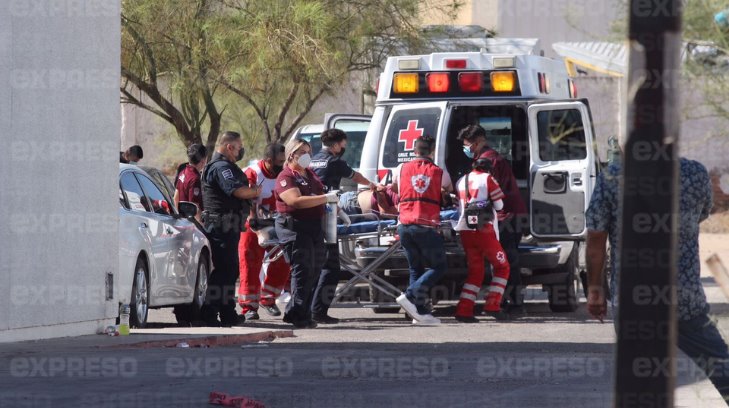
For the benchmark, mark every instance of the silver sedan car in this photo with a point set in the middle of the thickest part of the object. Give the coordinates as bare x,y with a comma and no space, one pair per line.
164,257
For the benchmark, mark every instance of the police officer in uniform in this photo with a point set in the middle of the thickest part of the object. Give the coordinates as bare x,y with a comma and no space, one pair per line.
331,168
226,197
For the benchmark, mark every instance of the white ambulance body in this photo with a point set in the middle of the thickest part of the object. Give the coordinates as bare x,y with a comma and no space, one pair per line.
528,107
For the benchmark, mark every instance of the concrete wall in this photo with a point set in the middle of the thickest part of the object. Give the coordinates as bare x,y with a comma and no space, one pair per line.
703,134
59,124
556,20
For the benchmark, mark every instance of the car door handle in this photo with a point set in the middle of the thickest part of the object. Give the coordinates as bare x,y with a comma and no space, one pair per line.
143,225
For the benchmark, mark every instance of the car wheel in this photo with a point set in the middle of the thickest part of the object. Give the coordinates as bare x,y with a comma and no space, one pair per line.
189,313
563,297
139,306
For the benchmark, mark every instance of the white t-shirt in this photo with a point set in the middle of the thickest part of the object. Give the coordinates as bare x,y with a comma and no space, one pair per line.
482,187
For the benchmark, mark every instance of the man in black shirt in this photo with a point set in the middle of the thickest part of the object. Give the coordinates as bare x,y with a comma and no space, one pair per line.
226,198
329,166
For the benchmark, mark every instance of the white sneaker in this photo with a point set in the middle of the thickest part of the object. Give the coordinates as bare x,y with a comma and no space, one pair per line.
408,306
426,320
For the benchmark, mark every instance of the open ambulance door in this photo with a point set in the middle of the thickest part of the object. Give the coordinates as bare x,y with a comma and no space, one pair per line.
355,126
562,169
405,124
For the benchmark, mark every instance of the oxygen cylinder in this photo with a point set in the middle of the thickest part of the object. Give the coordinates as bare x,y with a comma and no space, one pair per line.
329,222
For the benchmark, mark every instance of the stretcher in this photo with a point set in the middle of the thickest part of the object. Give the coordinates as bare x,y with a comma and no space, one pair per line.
363,227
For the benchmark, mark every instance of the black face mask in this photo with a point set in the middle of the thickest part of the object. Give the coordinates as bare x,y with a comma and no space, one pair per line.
341,152
241,152
277,169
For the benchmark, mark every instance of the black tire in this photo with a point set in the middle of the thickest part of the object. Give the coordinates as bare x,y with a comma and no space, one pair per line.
139,305
563,297
190,313
377,296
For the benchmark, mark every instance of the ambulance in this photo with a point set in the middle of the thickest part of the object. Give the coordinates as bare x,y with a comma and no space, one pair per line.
530,110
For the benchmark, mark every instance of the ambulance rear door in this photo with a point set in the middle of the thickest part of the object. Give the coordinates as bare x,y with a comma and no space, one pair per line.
355,126
405,124
562,169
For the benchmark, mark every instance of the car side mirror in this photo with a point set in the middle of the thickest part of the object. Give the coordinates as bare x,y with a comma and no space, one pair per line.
187,209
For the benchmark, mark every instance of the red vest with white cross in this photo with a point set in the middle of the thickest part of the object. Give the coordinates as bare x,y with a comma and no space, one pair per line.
420,185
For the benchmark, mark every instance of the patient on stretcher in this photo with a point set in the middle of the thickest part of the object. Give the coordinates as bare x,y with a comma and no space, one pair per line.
381,203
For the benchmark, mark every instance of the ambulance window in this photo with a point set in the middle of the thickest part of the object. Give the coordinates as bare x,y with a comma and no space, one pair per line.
561,135
405,127
498,134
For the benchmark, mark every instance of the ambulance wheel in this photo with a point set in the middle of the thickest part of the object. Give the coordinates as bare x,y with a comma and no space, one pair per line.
377,296
563,297
139,306
189,313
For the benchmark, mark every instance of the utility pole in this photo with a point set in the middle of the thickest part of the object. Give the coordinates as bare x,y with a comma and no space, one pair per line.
647,325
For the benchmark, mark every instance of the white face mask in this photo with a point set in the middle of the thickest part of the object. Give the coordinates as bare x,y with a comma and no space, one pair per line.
304,160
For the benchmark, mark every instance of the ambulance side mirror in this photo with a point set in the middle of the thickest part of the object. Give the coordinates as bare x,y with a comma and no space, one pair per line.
187,209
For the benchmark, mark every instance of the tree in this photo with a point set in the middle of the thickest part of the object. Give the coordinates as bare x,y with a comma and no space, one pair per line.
277,57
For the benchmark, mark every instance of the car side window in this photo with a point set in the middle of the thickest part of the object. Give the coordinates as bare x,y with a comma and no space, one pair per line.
134,193
160,205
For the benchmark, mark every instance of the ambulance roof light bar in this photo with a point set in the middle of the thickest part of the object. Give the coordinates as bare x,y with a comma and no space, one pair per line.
503,62
408,64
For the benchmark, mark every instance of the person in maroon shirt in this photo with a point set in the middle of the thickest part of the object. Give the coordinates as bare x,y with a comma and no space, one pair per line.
300,201
188,186
511,217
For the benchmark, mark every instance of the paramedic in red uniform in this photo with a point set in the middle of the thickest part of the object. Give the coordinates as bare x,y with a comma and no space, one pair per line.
480,244
420,184
511,217
250,253
188,186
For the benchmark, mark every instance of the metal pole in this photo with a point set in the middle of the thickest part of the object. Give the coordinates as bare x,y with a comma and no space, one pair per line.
647,325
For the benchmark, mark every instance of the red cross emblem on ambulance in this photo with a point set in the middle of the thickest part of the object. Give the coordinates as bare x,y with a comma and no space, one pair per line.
409,134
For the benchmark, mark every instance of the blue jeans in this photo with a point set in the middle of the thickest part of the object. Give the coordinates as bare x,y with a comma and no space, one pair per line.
423,248
700,340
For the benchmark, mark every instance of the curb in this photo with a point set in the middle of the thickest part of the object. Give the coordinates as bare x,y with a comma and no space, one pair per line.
210,341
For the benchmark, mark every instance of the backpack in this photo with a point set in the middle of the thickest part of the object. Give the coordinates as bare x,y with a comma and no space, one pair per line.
479,213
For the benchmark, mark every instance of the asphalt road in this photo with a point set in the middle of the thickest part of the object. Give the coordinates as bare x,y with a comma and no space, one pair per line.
368,360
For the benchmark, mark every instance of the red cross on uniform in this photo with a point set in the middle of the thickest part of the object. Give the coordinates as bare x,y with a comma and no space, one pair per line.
410,134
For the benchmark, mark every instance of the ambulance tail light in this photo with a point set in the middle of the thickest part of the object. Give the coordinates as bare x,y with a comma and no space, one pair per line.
543,82
470,81
405,83
438,82
455,64
573,88
503,81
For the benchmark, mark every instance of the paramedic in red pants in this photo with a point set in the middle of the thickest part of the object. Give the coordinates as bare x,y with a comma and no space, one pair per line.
250,253
511,218
420,183
481,244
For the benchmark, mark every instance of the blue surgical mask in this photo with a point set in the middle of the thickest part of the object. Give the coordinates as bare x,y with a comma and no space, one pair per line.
467,151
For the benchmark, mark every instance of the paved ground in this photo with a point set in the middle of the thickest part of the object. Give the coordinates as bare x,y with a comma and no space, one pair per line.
542,360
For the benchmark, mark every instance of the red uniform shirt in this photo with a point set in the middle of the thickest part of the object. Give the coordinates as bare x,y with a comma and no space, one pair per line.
501,170
189,187
308,186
